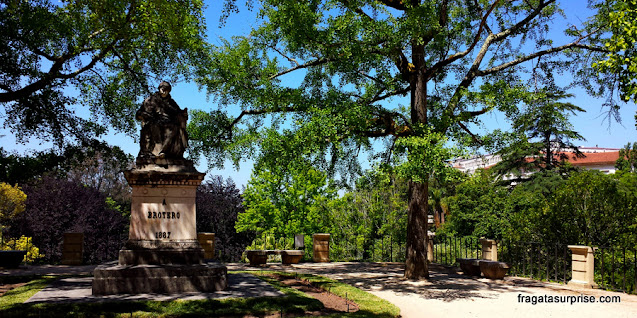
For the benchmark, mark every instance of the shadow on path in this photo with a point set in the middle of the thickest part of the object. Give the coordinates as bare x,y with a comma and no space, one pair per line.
78,289
443,284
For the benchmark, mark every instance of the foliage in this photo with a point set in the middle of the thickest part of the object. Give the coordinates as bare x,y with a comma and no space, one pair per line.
336,72
627,160
95,164
478,208
427,157
218,204
375,210
111,52
591,209
585,207
54,207
22,244
286,203
20,169
621,60
544,133
12,201
101,167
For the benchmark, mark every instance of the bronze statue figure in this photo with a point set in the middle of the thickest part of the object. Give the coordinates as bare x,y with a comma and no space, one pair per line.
163,132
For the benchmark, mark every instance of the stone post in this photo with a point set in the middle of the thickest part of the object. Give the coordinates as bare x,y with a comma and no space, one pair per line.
299,241
583,266
73,248
489,249
321,247
430,246
207,241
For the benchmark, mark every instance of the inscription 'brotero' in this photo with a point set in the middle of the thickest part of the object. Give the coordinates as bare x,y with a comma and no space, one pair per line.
164,215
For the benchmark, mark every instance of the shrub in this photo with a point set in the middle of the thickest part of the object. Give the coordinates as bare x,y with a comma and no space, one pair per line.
218,204
54,207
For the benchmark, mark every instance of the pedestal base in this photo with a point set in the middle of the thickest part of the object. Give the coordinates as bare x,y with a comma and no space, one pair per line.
139,252
110,279
581,284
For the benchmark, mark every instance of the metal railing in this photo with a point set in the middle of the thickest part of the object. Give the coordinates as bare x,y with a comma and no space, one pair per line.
383,249
616,268
446,249
548,262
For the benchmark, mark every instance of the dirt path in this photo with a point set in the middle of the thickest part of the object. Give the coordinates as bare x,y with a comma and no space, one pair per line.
448,294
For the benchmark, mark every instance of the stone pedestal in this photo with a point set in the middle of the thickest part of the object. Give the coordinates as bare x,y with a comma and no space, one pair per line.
207,241
162,254
160,279
489,249
583,267
73,249
321,247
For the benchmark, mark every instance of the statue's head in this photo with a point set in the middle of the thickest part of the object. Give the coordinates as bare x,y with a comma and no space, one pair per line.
164,88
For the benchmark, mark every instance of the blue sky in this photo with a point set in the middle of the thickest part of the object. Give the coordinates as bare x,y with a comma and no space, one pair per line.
590,124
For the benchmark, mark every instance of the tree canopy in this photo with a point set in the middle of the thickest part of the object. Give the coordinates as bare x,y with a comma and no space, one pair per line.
111,52
542,133
333,75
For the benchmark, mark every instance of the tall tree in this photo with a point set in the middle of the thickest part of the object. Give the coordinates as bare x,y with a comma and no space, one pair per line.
544,133
627,160
336,71
111,51
283,204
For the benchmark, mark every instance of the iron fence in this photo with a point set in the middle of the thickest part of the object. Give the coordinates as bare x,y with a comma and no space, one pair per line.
549,262
446,249
381,249
616,268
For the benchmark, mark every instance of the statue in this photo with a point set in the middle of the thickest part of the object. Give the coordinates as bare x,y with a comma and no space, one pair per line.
163,134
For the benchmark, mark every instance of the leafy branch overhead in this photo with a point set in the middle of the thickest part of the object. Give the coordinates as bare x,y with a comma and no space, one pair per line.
345,67
333,76
110,51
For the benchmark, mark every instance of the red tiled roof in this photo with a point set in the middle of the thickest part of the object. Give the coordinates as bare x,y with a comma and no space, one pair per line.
594,158
591,159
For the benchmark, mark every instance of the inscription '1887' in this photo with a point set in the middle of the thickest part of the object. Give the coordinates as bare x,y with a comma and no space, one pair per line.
164,215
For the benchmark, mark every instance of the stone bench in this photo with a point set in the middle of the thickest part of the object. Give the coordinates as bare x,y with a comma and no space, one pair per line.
489,269
260,257
494,269
469,266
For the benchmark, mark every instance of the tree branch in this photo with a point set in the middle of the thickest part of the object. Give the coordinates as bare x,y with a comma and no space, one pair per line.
285,56
473,136
396,4
460,55
394,93
302,66
473,71
538,54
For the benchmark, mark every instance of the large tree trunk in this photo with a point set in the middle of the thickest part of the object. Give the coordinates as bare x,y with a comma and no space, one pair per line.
416,266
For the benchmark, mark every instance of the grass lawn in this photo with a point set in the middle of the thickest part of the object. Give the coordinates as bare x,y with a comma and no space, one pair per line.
11,304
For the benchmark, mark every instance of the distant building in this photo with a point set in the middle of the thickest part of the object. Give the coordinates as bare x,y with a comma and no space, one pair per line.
602,159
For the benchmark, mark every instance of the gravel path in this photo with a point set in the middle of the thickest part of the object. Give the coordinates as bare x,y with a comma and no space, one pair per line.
448,294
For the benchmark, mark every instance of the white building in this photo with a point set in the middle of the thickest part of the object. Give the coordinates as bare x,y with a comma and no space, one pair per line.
602,159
